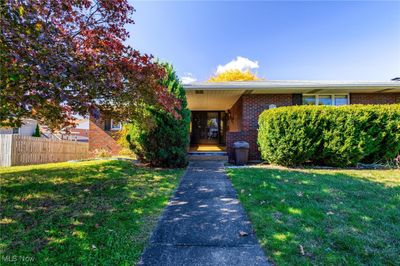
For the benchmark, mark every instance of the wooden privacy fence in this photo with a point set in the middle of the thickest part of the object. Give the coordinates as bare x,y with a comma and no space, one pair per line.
24,150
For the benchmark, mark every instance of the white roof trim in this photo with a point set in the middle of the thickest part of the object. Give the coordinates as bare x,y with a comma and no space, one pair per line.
290,84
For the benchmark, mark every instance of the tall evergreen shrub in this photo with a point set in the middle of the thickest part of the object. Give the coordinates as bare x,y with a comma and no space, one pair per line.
37,132
162,140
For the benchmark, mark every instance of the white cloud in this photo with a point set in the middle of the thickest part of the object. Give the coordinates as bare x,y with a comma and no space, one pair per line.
188,78
240,63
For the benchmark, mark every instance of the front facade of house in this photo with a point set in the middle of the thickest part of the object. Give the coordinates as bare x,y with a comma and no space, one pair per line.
223,113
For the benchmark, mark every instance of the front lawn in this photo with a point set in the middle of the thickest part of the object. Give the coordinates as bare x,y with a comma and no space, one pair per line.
86,213
323,217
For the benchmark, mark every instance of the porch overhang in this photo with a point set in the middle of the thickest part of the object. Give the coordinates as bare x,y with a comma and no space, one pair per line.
209,96
212,100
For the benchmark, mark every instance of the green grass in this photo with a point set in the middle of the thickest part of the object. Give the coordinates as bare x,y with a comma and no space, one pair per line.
323,217
86,213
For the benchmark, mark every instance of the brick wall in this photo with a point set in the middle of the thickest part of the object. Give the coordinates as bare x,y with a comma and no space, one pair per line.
252,106
374,98
235,116
255,104
100,139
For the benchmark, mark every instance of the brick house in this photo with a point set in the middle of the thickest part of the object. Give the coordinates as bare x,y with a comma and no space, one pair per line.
103,134
225,112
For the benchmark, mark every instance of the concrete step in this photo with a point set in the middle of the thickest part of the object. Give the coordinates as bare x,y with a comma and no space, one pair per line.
208,156
208,153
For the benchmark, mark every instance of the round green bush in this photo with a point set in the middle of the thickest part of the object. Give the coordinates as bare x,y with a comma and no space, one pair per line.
328,135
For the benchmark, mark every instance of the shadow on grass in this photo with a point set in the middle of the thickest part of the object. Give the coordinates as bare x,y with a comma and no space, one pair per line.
322,216
86,213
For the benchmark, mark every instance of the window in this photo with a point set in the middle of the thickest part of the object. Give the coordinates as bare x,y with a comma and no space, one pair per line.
326,99
107,124
309,99
15,130
341,100
115,125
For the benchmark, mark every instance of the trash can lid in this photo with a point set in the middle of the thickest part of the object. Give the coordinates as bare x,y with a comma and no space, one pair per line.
241,144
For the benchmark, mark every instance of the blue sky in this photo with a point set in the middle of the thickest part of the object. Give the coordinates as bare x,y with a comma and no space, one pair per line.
286,40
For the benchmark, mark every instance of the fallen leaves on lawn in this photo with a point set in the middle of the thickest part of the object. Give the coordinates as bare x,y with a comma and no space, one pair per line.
304,253
242,233
302,250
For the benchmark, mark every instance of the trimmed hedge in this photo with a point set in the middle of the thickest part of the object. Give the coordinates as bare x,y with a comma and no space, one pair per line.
327,135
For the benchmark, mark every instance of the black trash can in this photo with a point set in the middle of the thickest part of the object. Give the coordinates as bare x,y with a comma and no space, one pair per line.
241,152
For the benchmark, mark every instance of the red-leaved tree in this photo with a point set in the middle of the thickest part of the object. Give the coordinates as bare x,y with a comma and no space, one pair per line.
64,57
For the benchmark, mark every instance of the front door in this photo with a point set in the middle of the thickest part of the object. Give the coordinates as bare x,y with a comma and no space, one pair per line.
207,127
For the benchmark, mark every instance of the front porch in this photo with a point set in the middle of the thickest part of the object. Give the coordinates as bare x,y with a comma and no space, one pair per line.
208,136
214,117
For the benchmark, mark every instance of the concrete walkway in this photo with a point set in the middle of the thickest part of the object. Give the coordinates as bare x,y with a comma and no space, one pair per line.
203,223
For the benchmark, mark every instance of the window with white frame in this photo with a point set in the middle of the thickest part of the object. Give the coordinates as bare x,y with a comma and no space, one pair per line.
326,99
116,125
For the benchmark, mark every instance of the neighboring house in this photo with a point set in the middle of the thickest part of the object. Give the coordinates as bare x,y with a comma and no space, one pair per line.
78,133
103,133
225,112
27,129
81,131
